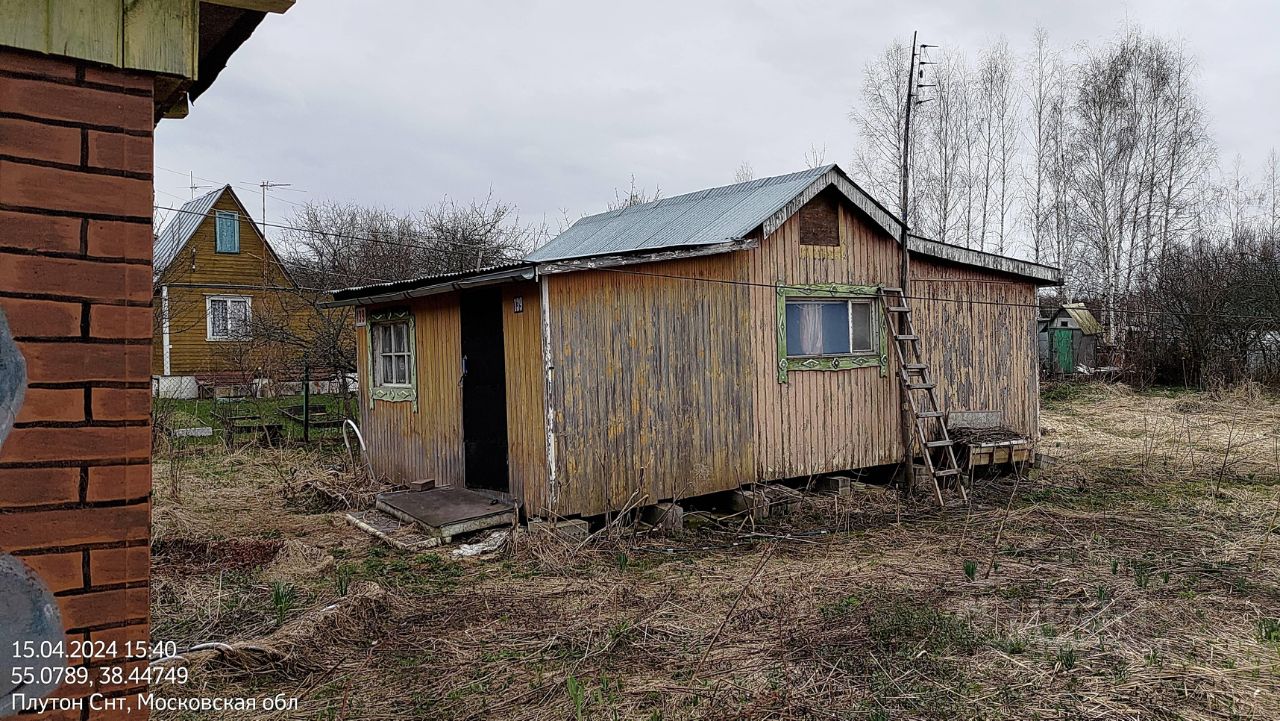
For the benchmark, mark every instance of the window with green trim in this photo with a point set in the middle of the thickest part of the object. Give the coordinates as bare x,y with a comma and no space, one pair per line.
830,326
391,357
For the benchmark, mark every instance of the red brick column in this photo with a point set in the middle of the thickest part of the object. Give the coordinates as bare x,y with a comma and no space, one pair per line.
75,283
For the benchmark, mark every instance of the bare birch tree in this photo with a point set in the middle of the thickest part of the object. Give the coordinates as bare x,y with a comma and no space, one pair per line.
1044,129
943,137
635,195
996,107
815,157
879,120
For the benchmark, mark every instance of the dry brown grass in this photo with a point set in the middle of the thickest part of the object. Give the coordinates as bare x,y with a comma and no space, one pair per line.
1133,580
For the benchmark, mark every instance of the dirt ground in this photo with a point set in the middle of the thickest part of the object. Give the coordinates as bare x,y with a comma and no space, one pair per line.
1136,578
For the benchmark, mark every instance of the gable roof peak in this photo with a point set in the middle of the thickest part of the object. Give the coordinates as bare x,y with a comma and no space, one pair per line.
186,221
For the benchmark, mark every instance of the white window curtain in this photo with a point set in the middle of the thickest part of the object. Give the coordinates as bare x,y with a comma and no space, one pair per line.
392,354
817,328
229,318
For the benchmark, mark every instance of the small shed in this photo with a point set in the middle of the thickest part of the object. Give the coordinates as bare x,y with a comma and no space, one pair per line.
686,346
1068,340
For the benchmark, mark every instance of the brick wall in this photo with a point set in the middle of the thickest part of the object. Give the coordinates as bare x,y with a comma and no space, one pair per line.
75,283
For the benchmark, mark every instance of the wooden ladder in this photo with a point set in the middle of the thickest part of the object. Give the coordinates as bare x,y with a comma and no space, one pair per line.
919,394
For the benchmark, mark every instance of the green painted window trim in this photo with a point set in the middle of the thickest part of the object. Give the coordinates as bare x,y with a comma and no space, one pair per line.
832,363
393,394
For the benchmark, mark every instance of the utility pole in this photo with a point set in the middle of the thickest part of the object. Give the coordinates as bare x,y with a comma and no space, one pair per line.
904,269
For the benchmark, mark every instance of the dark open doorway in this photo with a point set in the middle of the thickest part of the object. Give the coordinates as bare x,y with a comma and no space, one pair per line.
484,390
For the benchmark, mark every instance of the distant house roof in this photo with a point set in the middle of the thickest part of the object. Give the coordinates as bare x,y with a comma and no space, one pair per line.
181,227
184,223
1083,318
716,220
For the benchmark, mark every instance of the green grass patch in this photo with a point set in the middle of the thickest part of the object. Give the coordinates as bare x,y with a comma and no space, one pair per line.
420,572
1066,394
206,411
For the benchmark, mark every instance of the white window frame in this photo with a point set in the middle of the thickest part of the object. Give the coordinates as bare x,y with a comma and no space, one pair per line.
208,316
382,355
392,391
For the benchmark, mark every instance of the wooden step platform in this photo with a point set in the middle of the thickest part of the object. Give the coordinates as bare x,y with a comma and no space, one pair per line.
447,512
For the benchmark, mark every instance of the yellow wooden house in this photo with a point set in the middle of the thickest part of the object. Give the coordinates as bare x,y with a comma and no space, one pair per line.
217,281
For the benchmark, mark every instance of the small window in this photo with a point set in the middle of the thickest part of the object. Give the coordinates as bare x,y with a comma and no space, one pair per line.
829,327
392,354
1064,324
228,317
227,230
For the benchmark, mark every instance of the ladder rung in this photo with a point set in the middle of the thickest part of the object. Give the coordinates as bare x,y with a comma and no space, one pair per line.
906,337
920,386
938,444
947,472
890,290
929,414
898,309
916,366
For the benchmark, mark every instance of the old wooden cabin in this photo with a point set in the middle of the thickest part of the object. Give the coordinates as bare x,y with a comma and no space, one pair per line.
683,347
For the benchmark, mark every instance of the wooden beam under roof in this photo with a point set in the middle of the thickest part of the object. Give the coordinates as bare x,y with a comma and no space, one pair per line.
264,6
155,36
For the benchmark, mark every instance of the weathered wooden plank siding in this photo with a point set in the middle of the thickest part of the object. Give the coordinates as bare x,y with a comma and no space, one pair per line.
819,421
979,338
667,387
427,444
526,419
651,393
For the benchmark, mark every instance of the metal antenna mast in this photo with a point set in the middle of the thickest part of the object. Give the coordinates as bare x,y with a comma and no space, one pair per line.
268,185
192,176
904,269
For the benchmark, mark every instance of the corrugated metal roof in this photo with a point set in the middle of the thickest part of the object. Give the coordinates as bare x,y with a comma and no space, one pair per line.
424,280
706,217
181,227
716,216
729,213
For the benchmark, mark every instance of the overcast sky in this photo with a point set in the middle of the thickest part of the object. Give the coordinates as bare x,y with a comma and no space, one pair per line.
553,105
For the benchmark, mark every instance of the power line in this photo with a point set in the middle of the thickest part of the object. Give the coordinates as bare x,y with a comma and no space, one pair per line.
724,281
367,239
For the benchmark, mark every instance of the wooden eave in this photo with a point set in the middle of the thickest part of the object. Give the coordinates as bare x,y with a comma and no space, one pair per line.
183,44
